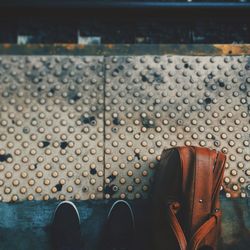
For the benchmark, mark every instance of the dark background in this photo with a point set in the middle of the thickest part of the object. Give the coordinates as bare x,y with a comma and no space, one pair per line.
58,21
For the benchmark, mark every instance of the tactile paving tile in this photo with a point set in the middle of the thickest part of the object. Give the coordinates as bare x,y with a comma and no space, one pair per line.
51,127
52,134
157,102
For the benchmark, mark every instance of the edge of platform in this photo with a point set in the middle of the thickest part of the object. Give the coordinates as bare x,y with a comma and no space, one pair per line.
127,49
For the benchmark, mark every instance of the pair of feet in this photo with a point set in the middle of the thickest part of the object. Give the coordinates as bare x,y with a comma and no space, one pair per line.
118,233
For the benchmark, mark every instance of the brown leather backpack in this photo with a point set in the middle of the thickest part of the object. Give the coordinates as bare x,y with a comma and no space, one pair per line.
186,207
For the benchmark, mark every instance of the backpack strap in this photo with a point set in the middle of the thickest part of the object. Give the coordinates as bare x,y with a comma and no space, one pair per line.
202,186
199,235
218,178
175,225
204,230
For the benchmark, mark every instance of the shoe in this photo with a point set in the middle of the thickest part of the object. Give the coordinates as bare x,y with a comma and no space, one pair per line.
119,231
66,233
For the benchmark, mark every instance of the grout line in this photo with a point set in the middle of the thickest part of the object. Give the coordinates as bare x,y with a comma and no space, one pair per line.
104,119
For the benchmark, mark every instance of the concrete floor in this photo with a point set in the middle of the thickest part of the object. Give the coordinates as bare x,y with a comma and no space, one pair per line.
26,225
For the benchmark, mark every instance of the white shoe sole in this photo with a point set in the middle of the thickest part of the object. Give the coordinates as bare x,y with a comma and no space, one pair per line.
130,208
70,203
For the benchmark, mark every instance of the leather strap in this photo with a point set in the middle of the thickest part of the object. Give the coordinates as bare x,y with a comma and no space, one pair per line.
176,227
202,187
203,231
199,235
218,177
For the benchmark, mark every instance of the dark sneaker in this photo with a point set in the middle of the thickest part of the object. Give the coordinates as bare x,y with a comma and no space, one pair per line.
66,234
119,231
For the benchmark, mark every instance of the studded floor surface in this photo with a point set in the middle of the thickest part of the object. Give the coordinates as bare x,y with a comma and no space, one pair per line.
93,127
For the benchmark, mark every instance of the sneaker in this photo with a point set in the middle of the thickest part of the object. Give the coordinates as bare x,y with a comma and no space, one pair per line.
66,234
119,231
